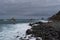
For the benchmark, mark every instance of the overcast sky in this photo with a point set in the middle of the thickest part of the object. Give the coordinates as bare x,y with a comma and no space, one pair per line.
28,8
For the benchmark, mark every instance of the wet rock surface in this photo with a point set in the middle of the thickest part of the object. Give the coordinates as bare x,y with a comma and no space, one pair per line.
44,31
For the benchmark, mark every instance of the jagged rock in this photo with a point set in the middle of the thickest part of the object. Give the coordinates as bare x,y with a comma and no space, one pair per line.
29,31
55,17
44,31
17,36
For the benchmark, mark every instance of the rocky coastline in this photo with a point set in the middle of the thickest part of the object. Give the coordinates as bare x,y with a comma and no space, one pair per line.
46,31
43,31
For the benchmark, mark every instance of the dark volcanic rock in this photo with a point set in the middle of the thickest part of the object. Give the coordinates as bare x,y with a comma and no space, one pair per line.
28,32
44,31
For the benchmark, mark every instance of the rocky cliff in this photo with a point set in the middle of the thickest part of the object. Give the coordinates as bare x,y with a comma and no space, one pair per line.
55,17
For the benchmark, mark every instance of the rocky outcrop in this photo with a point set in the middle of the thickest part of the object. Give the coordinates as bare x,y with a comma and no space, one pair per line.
44,31
29,31
56,21
55,17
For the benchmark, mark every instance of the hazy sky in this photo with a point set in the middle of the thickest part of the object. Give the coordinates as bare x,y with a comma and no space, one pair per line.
28,8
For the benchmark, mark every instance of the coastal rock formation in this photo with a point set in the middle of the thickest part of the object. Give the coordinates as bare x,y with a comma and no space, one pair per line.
49,30
55,17
44,31
56,21
29,31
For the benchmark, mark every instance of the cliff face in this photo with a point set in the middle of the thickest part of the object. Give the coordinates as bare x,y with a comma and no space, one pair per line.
56,21
55,17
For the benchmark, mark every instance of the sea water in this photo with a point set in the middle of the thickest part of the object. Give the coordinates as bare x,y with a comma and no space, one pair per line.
10,31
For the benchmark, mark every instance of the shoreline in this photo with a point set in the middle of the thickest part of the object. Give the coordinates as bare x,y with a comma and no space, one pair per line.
46,32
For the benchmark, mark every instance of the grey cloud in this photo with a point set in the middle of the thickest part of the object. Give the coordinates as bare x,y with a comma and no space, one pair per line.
18,8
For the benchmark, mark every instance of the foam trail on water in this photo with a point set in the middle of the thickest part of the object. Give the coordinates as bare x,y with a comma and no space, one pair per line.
10,31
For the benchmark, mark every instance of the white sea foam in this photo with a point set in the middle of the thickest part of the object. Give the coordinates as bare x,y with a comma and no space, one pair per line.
10,31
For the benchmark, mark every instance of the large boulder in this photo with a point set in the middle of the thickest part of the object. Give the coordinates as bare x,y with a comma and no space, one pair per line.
28,32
